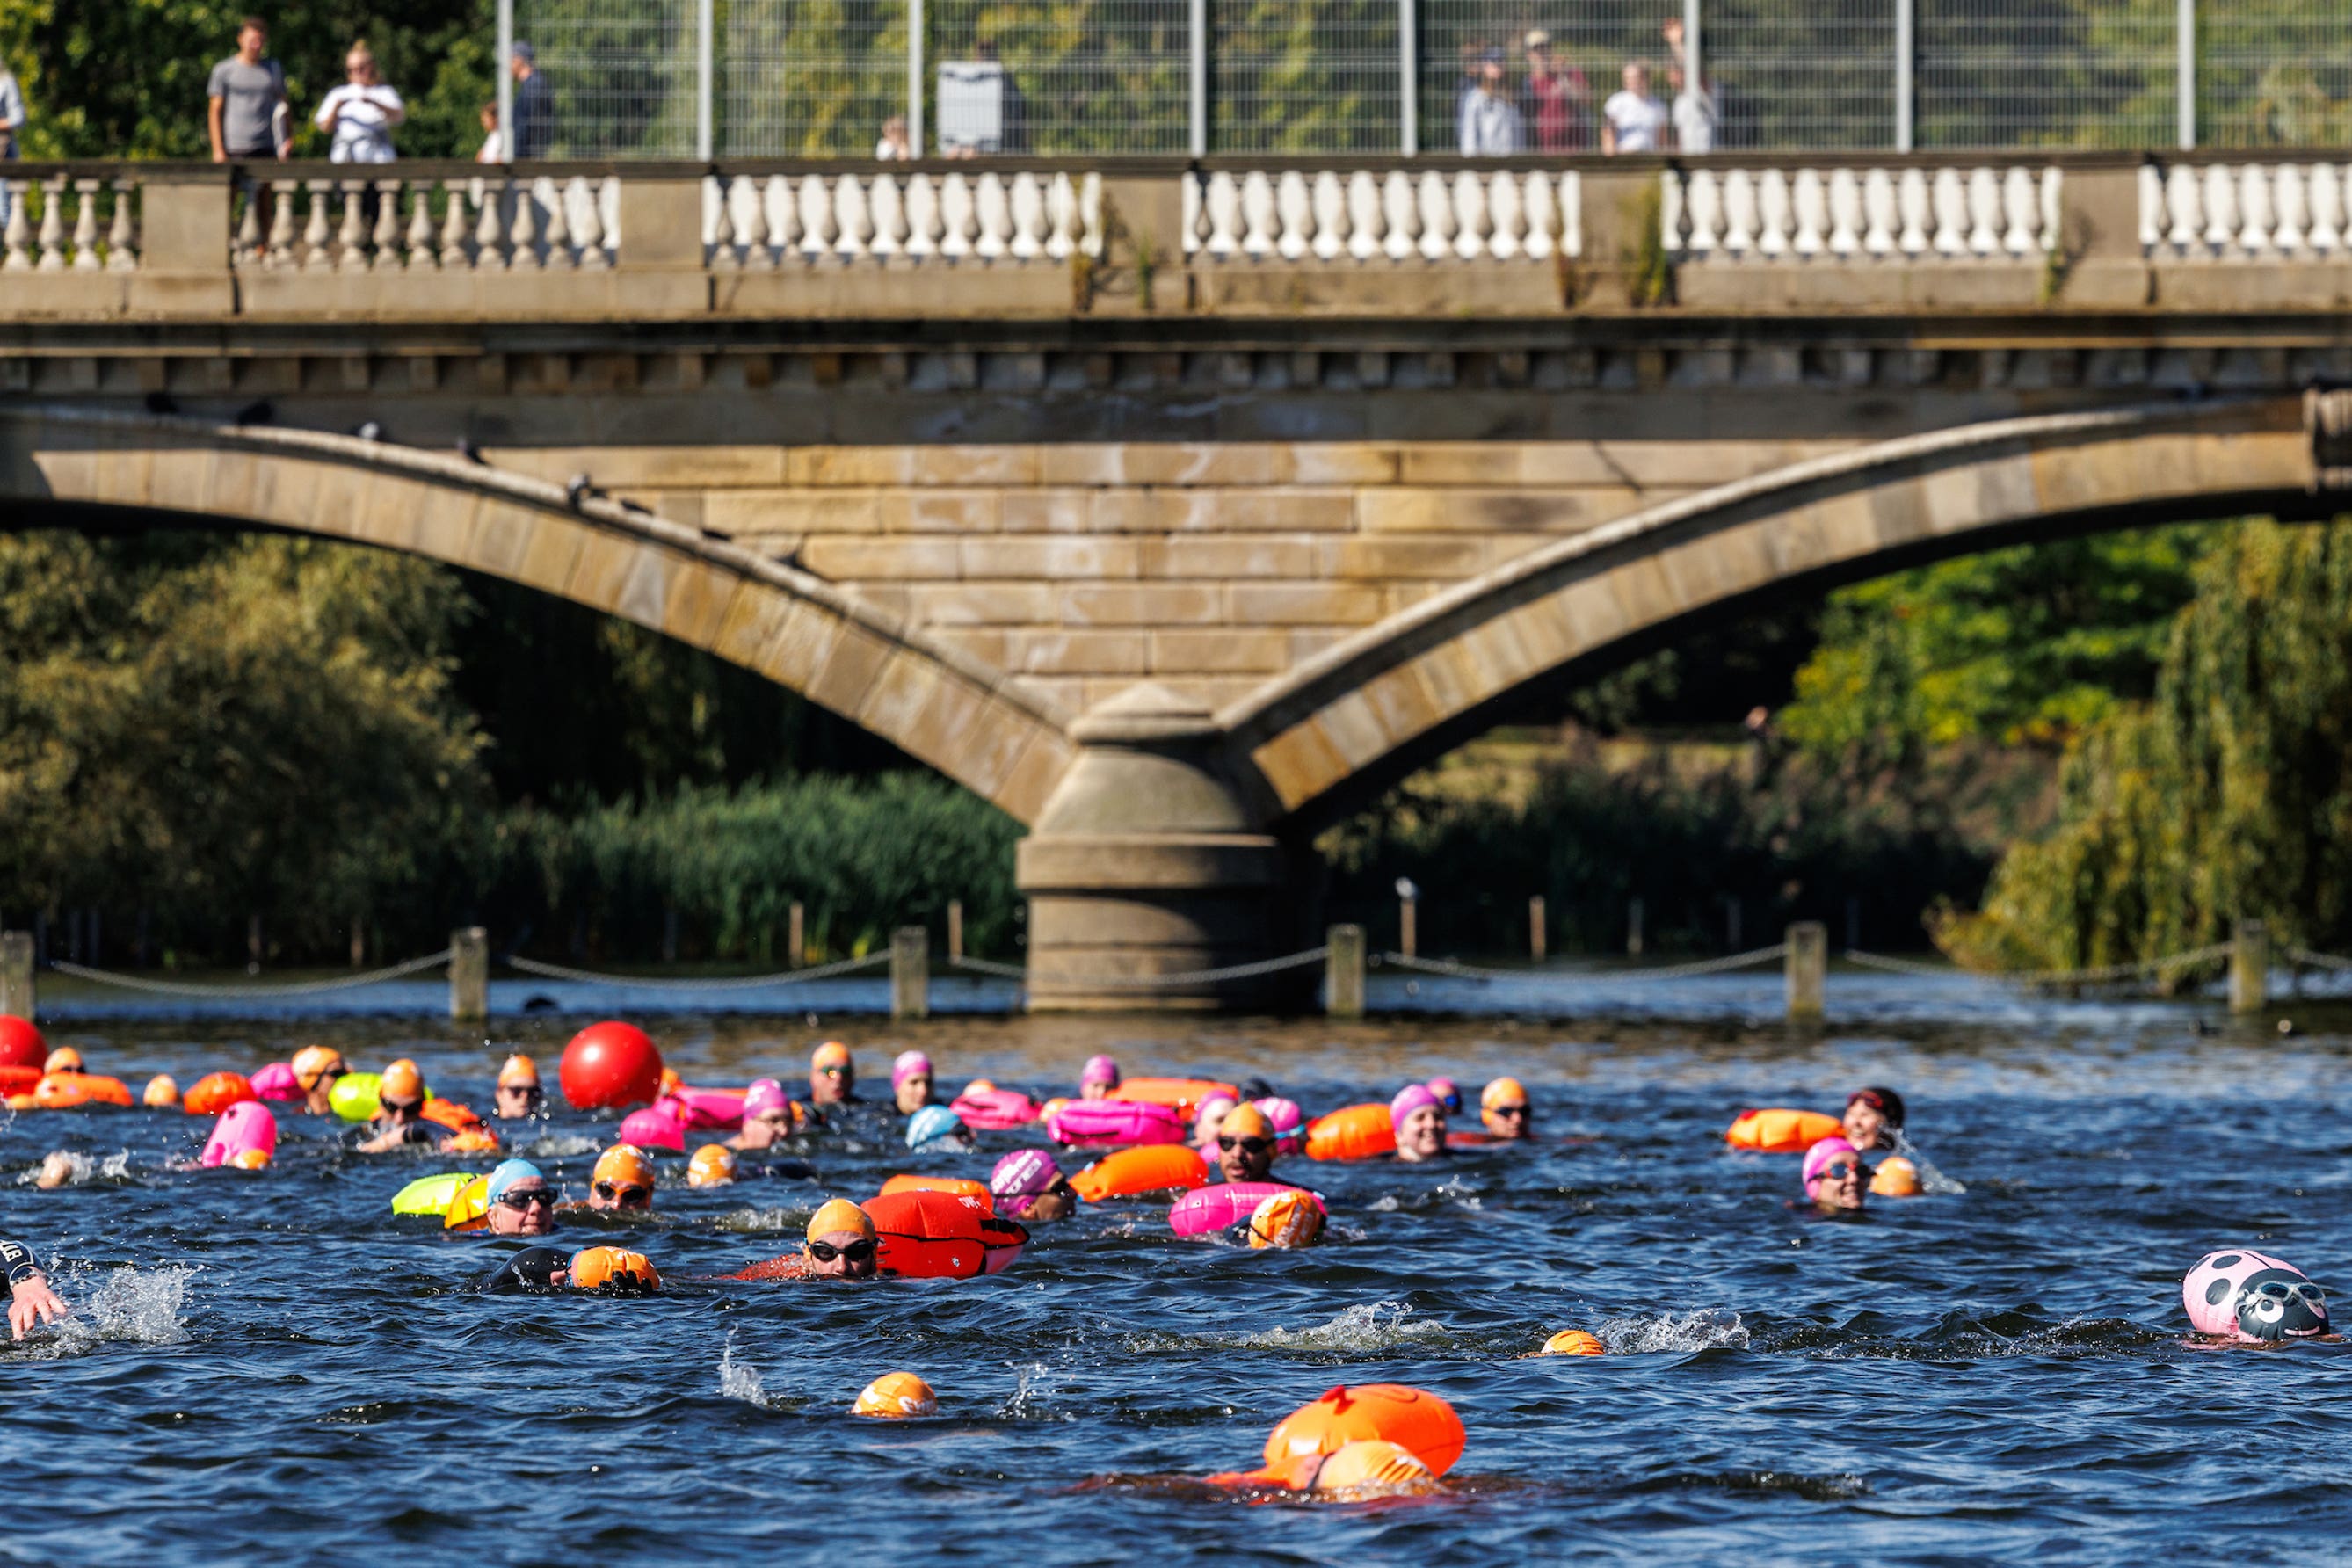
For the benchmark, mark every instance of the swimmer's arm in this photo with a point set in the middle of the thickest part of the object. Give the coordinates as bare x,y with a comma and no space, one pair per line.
31,1299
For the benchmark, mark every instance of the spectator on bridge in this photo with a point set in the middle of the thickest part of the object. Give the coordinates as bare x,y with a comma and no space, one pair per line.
1555,101
1632,121
248,93
359,116
1490,123
494,143
534,105
1697,112
893,146
12,120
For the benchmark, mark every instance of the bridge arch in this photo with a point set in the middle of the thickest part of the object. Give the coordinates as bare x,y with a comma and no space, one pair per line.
1339,729
934,702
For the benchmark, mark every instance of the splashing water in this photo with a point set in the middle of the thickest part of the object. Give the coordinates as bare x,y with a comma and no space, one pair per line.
762,1222
739,1379
129,1306
1373,1327
1709,1328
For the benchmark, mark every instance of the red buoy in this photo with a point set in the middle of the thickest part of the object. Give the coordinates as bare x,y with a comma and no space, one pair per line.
611,1066
21,1044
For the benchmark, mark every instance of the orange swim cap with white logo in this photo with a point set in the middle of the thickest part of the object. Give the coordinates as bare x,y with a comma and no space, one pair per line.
839,1216
1285,1219
614,1268
520,1072
312,1063
1373,1464
896,1396
1245,1121
65,1059
161,1091
623,1165
1574,1342
401,1081
713,1165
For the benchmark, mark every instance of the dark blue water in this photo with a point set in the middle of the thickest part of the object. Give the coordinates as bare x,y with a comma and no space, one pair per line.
269,1366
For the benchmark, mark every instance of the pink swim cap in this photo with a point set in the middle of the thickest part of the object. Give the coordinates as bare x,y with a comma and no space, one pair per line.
910,1064
1099,1070
1449,1093
1410,1099
1821,1154
764,1095
1020,1177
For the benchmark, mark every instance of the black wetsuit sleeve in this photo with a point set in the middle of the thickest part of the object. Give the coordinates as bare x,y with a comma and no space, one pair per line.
533,1268
16,1261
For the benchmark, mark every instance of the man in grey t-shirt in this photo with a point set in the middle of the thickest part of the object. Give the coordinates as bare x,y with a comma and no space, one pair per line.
248,96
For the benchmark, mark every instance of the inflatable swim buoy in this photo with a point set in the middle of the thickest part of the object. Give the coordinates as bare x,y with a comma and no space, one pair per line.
706,1107
1153,1168
661,1125
2253,1297
995,1110
1224,1204
245,1136
1782,1131
1288,1121
217,1092
1415,1419
469,1206
1896,1177
276,1082
1116,1121
71,1090
941,1235
20,1080
1182,1095
957,1186
609,1066
431,1195
21,1044
353,1098
1354,1132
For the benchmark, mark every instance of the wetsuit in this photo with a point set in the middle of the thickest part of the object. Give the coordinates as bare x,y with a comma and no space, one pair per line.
17,1261
533,1268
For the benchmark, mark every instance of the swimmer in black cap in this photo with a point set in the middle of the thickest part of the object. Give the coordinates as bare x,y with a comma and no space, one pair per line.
1874,1118
31,1299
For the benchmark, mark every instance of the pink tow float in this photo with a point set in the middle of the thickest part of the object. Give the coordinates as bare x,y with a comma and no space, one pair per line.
995,1110
2253,1297
245,1137
1115,1122
1226,1204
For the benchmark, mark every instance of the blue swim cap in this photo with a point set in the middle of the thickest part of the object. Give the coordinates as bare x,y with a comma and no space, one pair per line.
930,1124
509,1173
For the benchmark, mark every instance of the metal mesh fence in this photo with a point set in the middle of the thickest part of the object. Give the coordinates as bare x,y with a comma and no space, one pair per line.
2274,73
817,79
621,75
1077,76
2045,73
1304,76
1789,77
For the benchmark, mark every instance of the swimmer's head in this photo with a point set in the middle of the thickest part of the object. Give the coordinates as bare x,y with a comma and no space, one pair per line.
315,1064
1097,1078
1871,1116
841,1243
936,1124
1504,1107
519,1072
1285,1219
832,1073
911,1081
518,1201
766,1098
1419,1117
1449,1094
1897,1178
1373,1465
623,1179
518,1091
897,1396
713,1165
613,1271
400,1092
162,1092
904,1066
1834,1174
65,1059
1209,1118
1246,1144
1021,1179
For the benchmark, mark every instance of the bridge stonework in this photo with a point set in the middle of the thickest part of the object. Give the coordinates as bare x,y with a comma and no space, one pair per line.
1173,566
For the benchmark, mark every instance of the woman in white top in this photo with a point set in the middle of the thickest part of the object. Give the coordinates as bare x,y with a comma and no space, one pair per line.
1632,121
360,113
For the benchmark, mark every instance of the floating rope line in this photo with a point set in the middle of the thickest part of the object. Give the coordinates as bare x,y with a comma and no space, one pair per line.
1187,977
294,988
739,982
989,966
2106,975
1447,967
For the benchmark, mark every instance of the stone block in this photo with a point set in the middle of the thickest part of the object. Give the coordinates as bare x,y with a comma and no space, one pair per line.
1254,556
755,614
910,557
1402,704
1226,651
551,552
1047,511
849,670
939,512
1141,604
444,517
1051,559
982,603
801,645
1304,604
601,572
1081,653
1402,555
801,511
700,594
1029,780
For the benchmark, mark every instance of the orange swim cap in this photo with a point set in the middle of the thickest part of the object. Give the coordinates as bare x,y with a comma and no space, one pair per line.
520,1072
624,1163
401,1081
250,1159
65,1059
1897,1178
614,1268
1245,1121
895,1395
713,1165
839,1215
312,1063
161,1091
1373,1464
1574,1342
1285,1219
832,1054
1502,1091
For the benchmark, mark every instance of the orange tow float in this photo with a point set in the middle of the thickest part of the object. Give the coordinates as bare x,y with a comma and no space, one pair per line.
1782,1131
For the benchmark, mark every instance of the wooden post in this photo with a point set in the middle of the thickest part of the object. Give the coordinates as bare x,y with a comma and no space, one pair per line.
1536,933
2249,968
17,998
910,973
1408,925
955,930
1807,968
794,947
1343,973
1634,929
469,974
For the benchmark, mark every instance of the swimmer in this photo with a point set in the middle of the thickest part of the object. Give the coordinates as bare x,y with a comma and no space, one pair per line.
1097,1078
1029,1185
768,1118
713,1165
841,1243
521,1203
623,1181
31,1299
1208,1122
533,1268
1419,1117
519,1093
1449,1095
399,1117
56,1171
1835,1175
911,1081
1503,1107
936,1130
1245,1145
1874,1118
65,1059
613,1271
163,1092
316,1069
833,1074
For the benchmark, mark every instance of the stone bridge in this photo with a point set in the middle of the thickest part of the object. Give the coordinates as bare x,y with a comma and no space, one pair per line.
1177,509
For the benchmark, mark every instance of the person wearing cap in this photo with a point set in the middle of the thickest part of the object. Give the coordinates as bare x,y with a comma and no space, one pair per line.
911,1081
65,1059
316,1069
622,1181
399,1118
833,1074
1553,107
1028,1185
1490,122
1419,1117
713,1165
31,1299
1097,1078
1209,1121
768,1116
1245,1145
1873,1118
1449,1095
1504,1109
521,1203
1835,1177
936,1130
840,1243
534,1268
519,1093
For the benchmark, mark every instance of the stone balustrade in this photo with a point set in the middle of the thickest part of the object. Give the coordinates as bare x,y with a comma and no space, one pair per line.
490,222
62,222
1860,212
2220,211
1399,215
761,221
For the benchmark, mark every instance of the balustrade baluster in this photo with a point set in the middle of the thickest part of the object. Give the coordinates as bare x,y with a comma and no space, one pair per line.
1365,228
1193,186
1295,215
1327,200
318,233
53,226
352,233
1774,215
956,222
587,218
456,234
421,255
2328,215
1671,214
1472,223
1881,214
852,225
19,240
1436,207
1916,200
2184,198
245,251
2021,201
1703,202
924,228
817,231
1951,208
1811,205
888,203
1401,214
1542,209
785,227
1507,225
2053,189
386,238
85,233
1220,207
1090,214
1257,216
1984,212
719,223
2294,210
1845,213
2151,208
281,224
522,234
2256,210
556,235
608,212
747,197
489,228
1571,212
1065,234
1028,203
1743,217
122,236
2220,209
995,215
